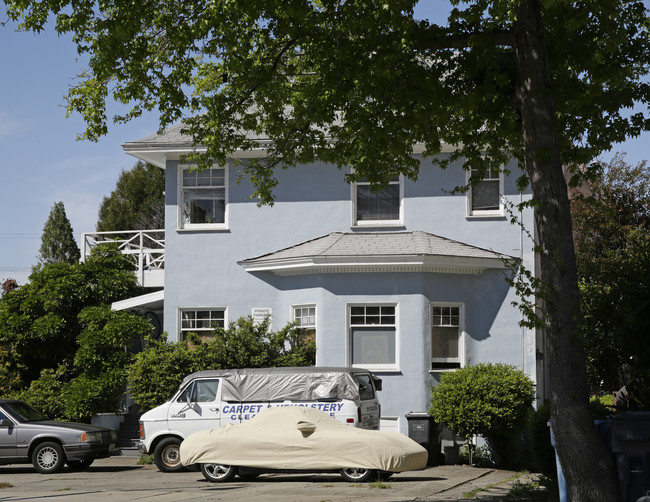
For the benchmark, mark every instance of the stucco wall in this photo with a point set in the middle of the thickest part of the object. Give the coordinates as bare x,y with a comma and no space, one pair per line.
312,201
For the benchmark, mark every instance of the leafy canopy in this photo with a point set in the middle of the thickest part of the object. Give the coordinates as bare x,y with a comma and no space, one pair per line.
332,79
137,203
40,323
611,218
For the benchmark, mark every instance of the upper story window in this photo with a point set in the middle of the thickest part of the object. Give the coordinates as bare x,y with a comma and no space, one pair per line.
484,198
203,198
373,336
378,207
202,322
446,336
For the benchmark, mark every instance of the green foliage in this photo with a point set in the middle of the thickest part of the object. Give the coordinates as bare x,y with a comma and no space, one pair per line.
97,378
490,400
57,242
137,203
611,217
542,454
39,322
158,371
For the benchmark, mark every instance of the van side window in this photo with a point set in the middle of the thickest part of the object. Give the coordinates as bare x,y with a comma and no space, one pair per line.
201,391
366,390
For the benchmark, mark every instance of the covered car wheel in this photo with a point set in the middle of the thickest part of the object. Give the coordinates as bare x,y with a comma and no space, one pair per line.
218,473
79,465
358,475
48,458
167,456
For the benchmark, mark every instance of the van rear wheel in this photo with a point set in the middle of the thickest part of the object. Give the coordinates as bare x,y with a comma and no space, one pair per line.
218,473
167,455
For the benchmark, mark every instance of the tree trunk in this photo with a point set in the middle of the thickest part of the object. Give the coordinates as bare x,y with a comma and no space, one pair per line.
585,462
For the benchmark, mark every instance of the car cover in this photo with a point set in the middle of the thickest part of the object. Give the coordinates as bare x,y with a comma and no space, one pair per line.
300,438
284,384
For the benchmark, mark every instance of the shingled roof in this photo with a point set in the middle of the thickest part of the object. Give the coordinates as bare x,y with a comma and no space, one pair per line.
341,252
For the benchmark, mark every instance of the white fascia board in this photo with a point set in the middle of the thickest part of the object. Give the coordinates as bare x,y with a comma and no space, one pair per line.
310,265
140,301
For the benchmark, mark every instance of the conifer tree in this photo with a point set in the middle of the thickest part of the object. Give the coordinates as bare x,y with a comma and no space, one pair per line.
57,242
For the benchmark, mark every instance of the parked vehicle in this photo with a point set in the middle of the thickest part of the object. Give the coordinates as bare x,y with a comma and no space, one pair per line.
212,399
299,439
26,435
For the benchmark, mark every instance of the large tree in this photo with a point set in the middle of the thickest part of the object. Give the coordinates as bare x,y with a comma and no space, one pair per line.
611,217
57,242
360,82
137,203
39,322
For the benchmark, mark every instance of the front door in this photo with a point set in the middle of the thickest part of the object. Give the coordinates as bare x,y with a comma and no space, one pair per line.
197,407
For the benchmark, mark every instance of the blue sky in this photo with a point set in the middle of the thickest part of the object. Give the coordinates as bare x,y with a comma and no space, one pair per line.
42,162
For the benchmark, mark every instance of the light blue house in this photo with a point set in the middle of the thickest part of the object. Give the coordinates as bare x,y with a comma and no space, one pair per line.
408,282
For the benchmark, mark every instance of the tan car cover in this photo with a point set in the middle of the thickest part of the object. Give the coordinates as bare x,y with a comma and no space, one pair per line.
304,439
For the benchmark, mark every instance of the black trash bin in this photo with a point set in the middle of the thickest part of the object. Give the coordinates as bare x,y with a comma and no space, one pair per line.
426,432
631,447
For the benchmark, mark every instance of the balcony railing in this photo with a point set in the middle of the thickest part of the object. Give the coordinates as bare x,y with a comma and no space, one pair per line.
146,246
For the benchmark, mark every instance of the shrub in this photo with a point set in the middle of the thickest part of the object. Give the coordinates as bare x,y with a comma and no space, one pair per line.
491,400
157,371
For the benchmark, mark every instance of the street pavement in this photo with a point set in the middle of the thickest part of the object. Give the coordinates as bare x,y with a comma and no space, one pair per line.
122,479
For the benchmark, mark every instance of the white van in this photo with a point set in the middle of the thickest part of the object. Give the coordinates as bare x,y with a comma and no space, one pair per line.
211,399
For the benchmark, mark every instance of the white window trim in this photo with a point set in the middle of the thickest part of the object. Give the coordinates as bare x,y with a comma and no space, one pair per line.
348,338
377,223
461,335
302,306
488,212
179,317
180,225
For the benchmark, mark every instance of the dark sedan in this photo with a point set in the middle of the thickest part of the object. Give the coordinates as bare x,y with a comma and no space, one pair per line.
26,435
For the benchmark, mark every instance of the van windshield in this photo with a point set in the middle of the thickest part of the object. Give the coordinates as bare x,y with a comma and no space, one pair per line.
366,390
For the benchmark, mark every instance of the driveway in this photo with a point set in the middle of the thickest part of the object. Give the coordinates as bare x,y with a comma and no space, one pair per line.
121,478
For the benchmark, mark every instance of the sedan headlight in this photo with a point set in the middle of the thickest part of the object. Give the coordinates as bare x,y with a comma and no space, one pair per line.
88,437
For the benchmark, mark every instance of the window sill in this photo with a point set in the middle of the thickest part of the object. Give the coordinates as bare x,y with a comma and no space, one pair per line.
495,216
384,368
365,226
203,229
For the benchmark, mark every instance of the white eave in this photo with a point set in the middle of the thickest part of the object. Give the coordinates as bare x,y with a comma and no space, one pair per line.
150,300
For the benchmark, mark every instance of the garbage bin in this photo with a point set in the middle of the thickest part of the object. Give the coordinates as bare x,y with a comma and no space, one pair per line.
631,447
426,432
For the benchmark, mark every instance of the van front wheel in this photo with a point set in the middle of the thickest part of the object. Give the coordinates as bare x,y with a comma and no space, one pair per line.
167,455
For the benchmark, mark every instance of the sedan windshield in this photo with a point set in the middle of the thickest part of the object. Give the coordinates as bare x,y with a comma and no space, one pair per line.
23,413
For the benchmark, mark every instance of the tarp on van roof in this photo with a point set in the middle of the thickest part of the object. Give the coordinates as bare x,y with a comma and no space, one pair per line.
285,384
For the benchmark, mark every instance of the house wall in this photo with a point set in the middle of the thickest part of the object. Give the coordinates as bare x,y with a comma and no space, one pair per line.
312,201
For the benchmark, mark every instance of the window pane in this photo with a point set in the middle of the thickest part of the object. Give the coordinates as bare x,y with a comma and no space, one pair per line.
373,346
205,391
444,342
380,205
485,196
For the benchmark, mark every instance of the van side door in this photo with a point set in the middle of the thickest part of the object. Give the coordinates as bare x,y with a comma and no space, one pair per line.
197,407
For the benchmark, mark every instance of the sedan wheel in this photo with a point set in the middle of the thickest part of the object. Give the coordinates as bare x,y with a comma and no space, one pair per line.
48,458
218,473
358,475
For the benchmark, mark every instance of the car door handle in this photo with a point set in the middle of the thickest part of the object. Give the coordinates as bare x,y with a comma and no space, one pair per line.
214,409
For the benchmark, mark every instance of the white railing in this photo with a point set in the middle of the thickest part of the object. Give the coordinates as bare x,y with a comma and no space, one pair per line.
146,246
